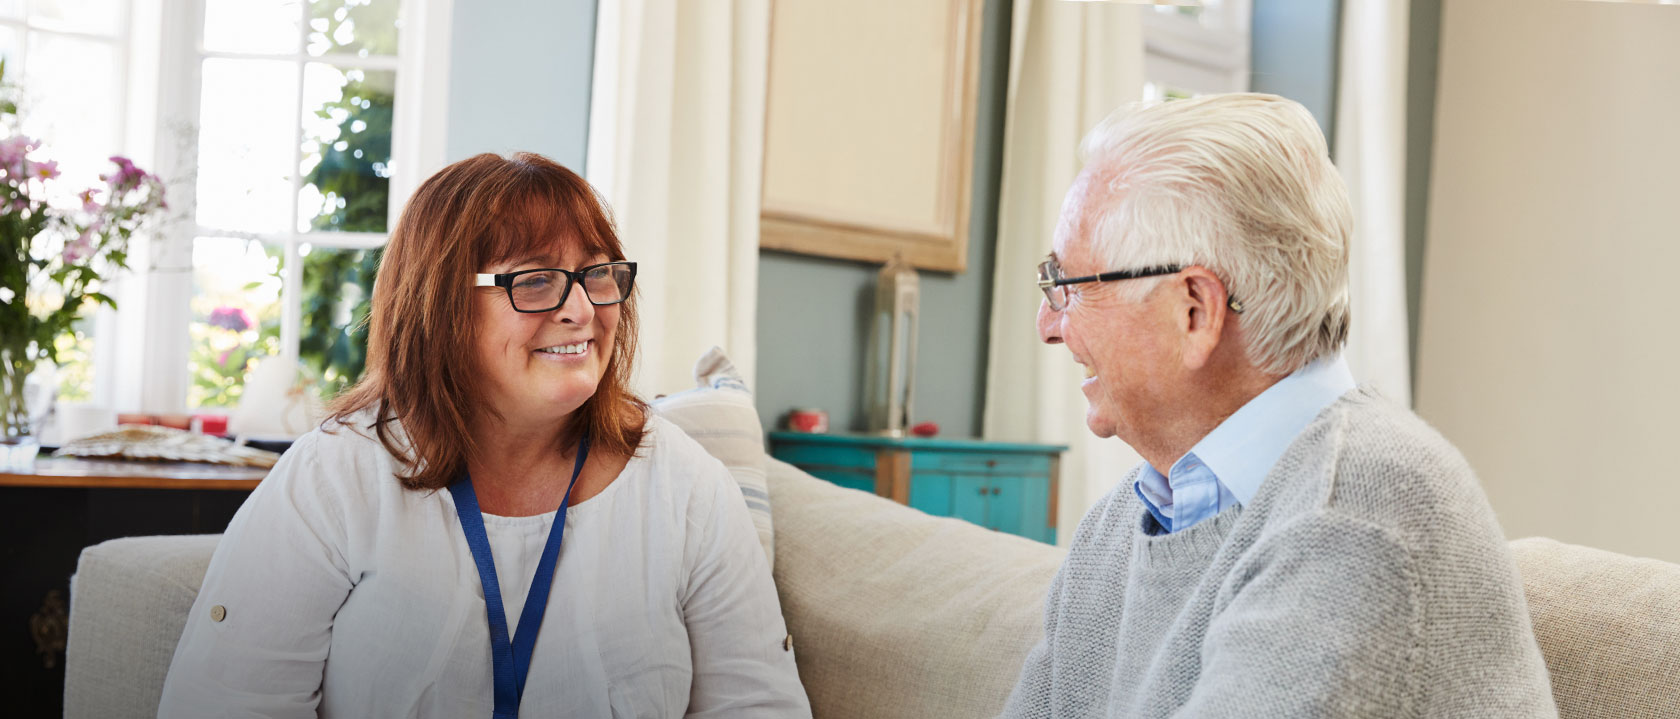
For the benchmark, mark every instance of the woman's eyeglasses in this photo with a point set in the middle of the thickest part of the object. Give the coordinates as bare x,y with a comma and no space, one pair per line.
544,290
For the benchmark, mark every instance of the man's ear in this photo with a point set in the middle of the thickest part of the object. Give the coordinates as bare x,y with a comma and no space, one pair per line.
1204,312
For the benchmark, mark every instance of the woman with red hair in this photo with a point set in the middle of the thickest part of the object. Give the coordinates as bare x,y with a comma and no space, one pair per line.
490,523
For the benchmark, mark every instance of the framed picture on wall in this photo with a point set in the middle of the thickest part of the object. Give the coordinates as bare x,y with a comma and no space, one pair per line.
869,130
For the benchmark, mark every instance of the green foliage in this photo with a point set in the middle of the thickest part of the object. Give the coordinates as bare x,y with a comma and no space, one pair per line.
219,375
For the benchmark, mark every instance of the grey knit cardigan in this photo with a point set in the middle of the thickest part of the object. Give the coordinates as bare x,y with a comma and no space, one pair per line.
1367,578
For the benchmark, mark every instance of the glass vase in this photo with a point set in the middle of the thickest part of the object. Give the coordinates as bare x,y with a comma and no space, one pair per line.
19,409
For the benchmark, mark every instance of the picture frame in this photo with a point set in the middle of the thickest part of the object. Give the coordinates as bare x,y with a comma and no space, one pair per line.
869,130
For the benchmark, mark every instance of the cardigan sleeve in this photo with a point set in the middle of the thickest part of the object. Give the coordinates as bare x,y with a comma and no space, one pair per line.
256,641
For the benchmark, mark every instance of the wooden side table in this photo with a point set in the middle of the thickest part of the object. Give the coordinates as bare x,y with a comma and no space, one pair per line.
69,472
1008,487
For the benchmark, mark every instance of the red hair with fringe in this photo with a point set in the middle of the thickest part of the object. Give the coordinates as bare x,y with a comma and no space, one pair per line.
422,328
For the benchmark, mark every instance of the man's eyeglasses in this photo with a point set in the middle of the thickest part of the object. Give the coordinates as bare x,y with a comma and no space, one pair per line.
544,290
1050,280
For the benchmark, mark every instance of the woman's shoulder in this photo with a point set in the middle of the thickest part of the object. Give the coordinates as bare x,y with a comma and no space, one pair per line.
341,456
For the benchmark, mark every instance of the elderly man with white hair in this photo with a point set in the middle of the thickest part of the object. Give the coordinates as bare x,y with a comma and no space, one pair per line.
1293,545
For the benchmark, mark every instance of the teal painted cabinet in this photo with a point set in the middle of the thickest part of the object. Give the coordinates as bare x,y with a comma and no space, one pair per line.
1007,487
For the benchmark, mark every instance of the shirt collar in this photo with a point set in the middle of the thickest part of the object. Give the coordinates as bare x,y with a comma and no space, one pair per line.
1243,448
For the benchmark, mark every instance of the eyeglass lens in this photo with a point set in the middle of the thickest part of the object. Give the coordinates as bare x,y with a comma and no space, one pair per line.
546,290
1049,271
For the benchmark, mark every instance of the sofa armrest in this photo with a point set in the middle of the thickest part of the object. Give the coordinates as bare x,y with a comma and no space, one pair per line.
1609,627
898,614
128,604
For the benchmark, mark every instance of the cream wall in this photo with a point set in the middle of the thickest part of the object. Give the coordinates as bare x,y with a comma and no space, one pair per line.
1549,347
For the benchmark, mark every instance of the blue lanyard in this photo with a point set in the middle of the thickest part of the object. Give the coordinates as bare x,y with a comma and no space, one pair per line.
512,662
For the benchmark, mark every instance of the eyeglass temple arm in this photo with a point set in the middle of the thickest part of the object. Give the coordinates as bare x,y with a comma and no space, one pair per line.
484,280
1045,283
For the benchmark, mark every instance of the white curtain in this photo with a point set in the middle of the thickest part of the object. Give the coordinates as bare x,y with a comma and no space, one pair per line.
1070,65
676,142
1371,153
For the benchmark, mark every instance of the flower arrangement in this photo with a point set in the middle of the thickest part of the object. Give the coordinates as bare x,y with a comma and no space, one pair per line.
55,255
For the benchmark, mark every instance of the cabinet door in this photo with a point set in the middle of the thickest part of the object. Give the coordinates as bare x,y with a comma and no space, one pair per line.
947,494
971,498
1020,506
931,492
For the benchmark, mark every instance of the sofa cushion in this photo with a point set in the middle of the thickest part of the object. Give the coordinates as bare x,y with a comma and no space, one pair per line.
1609,626
899,614
129,602
719,414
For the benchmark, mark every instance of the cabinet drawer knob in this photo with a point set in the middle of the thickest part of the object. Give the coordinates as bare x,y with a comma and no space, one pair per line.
996,491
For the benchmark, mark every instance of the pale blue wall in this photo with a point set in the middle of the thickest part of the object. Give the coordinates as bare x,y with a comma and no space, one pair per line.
813,313
519,78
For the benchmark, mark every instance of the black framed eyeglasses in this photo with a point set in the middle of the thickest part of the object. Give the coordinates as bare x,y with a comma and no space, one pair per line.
1050,280
546,289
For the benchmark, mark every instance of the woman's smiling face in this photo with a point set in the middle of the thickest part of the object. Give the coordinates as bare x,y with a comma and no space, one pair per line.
540,367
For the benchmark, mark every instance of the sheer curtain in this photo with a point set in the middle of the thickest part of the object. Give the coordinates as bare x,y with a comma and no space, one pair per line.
1371,153
676,143
1070,65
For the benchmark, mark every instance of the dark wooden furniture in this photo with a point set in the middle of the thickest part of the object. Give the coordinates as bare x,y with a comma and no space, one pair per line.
51,511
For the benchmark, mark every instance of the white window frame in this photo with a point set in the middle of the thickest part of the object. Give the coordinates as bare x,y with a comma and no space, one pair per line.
124,43
1206,55
146,367
27,24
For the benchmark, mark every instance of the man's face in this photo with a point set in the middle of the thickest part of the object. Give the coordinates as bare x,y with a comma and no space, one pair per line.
1128,348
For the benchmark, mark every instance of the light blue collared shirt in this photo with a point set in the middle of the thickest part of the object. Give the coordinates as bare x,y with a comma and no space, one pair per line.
1226,468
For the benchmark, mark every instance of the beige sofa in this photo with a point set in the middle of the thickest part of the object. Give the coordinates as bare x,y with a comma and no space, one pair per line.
897,614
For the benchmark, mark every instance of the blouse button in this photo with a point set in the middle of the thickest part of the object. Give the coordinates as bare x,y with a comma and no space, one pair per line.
218,613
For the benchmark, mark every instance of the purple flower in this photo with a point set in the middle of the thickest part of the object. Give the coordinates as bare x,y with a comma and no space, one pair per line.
46,170
88,203
127,177
230,318
14,153
78,249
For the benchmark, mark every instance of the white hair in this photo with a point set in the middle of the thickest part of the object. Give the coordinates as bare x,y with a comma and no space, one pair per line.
1241,184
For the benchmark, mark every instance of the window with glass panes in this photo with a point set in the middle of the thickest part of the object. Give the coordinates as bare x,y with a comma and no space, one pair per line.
293,188
1196,49
65,61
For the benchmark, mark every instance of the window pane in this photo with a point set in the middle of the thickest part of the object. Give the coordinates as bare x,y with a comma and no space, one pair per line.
11,8
337,292
347,149
100,17
75,361
245,140
11,48
354,27
70,102
254,26
236,316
